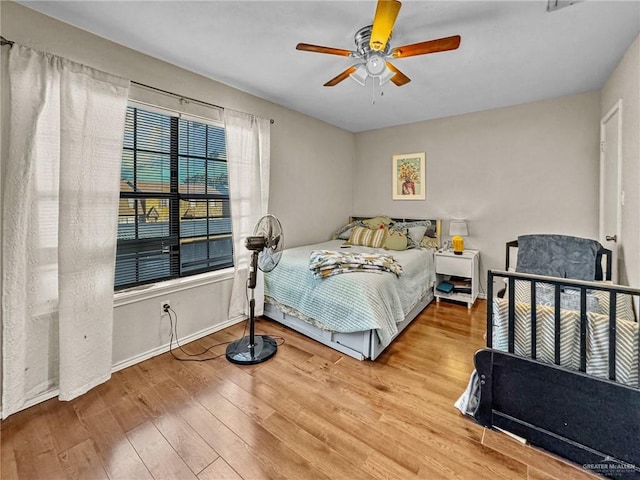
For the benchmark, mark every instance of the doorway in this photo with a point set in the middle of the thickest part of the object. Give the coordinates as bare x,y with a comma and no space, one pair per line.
611,194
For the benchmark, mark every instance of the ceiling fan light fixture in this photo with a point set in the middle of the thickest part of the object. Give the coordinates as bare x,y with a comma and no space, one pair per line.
385,76
360,75
376,65
362,72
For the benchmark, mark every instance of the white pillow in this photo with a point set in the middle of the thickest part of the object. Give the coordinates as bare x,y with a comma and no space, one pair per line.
414,232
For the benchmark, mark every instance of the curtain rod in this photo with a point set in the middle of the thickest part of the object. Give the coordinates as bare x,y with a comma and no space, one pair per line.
183,97
4,41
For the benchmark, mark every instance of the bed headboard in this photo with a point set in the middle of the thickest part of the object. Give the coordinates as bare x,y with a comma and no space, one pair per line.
433,233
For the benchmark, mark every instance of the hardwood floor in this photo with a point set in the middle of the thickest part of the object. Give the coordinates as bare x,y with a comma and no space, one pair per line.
308,413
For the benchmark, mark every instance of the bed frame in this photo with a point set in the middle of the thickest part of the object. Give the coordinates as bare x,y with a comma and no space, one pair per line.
591,421
359,345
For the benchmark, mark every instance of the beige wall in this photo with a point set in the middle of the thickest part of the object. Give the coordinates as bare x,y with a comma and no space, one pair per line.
529,168
304,153
624,84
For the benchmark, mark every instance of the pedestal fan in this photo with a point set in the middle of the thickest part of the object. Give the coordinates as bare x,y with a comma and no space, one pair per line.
266,246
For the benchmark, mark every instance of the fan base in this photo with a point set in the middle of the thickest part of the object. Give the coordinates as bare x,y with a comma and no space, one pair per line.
240,352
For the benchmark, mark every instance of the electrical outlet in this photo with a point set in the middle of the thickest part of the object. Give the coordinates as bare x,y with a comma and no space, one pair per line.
163,312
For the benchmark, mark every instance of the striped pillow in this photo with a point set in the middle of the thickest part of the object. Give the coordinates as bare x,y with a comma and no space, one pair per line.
367,237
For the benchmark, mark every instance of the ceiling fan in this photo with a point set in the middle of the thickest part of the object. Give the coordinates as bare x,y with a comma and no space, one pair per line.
373,49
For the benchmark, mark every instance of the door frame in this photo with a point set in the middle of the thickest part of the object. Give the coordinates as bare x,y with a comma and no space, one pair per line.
617,108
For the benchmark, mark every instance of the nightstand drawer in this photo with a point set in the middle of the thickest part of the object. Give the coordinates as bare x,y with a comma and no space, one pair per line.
459,267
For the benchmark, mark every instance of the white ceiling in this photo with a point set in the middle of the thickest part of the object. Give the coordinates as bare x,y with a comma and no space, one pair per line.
511,52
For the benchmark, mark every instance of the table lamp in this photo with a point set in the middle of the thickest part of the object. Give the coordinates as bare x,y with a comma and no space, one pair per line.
457,230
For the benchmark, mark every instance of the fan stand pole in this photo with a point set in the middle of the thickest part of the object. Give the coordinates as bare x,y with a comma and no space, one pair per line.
254,348
252,319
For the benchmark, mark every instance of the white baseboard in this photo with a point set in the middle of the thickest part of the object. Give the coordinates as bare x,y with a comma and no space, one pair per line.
43,397
136,359
165,348
517,438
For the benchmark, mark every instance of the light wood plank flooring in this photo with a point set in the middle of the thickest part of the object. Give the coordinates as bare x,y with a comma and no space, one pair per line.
308,413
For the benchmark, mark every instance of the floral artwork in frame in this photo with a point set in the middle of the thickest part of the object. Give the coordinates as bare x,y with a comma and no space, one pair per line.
409,179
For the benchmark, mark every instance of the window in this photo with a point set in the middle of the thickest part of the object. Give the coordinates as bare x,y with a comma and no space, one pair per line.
174,216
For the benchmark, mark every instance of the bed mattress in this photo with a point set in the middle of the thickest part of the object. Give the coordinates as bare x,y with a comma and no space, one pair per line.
351,302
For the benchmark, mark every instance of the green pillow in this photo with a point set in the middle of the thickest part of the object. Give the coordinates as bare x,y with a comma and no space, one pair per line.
375,222
396,241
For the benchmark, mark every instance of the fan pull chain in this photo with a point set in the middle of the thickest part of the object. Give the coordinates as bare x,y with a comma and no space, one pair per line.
373,91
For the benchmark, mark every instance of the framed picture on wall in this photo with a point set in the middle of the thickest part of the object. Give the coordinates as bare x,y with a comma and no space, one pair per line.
409,176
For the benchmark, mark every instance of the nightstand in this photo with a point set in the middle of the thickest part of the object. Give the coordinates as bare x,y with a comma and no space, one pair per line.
460,270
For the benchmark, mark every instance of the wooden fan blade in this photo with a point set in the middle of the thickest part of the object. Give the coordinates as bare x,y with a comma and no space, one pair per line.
338,78
431,46
386,14
320,49
399,78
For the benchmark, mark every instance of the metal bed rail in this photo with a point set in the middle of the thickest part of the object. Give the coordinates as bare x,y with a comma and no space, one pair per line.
559,285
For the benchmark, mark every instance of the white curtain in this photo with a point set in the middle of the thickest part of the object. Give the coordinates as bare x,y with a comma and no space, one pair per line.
60,214
248,159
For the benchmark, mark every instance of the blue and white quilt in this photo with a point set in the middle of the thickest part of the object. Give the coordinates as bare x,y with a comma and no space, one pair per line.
351,302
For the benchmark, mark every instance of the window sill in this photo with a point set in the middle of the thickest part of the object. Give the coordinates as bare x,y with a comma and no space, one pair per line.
152,290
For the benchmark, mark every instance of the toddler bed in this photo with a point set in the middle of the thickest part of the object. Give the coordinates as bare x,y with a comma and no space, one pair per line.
563,373
562,361
358,313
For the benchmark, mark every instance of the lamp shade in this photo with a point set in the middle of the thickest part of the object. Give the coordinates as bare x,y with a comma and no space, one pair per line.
385,76
458,228
375,67
360,75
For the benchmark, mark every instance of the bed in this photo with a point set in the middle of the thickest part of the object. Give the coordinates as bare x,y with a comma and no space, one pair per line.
358,314
561,369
